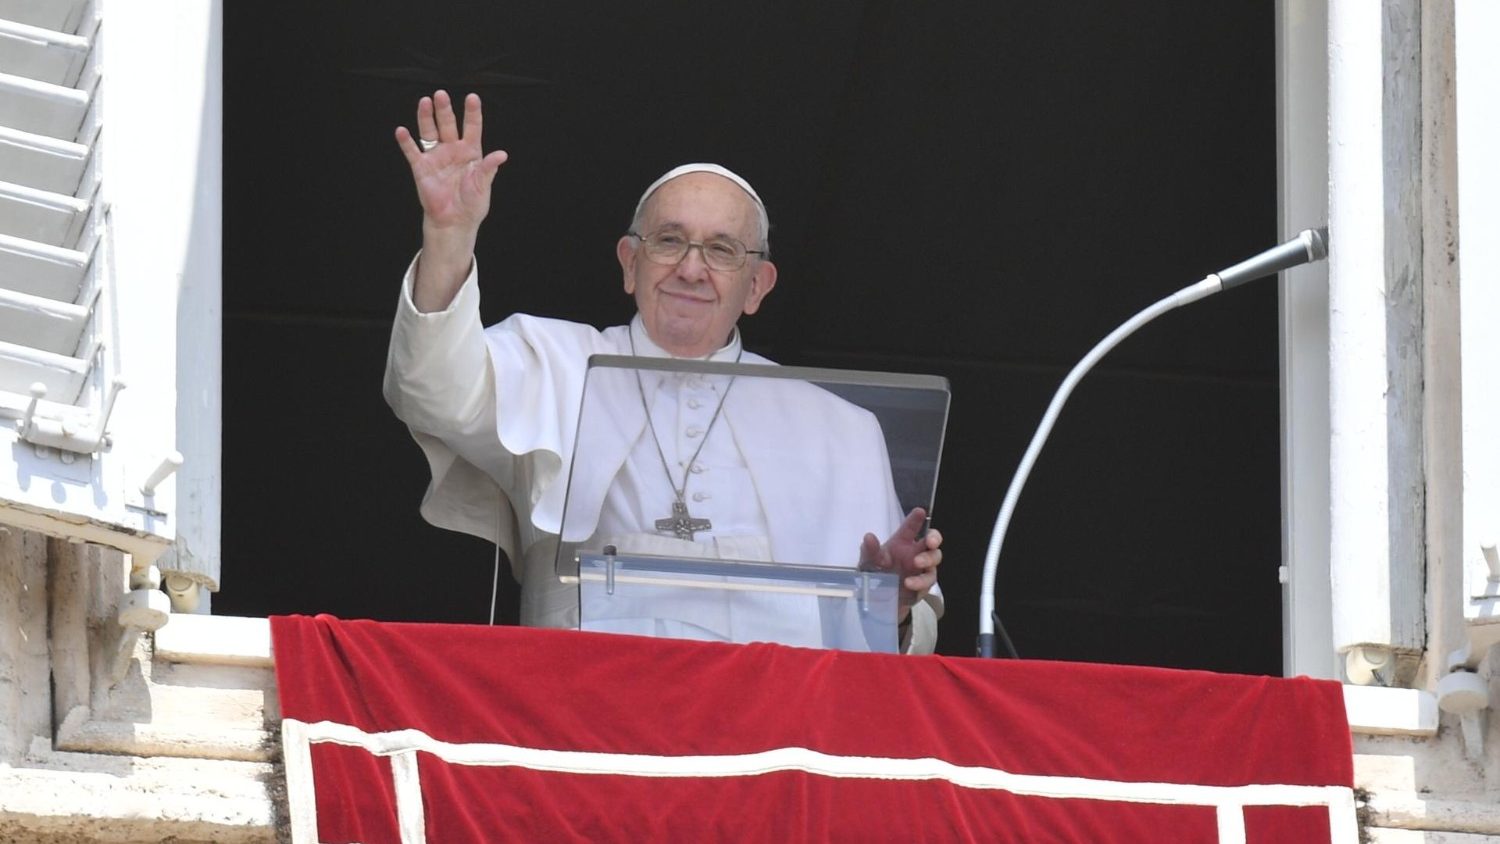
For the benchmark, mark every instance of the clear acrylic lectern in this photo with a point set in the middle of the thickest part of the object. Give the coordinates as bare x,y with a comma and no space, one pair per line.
729,501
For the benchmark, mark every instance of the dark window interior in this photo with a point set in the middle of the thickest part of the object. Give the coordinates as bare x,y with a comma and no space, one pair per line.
974,190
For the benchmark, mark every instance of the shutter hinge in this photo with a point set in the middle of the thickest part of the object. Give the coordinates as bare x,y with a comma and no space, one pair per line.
64,434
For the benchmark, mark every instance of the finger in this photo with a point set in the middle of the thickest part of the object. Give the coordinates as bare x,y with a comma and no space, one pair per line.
426,123
929,560
869,550
912,524
919,581
447,125
492,162
934,539
473,120
408,146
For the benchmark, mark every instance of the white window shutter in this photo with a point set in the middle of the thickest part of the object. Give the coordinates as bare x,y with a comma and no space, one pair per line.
109,211
1477,73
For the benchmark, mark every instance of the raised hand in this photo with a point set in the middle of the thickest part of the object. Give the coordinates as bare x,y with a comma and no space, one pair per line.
914,557
453,180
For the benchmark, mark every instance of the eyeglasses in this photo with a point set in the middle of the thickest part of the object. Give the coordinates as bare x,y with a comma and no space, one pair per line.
719,253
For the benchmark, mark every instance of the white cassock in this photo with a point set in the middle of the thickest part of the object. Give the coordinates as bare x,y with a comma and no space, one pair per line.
787,472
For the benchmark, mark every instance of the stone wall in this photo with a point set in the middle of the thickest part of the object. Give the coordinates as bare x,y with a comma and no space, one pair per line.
108,736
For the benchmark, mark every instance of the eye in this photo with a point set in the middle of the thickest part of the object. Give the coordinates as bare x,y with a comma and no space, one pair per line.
668,240
722,248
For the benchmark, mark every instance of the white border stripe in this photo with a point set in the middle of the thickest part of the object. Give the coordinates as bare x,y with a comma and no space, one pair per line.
1231,820
301,800
1338,799
1343,819
411,818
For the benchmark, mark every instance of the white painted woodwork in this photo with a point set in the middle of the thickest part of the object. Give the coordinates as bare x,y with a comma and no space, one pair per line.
40,162
126,221
39,323
42,54
1442,353
40,270
42,108
165,192
1374,325
58,15
49,281
63,376
1356,322
1477,32
1302,156
199,341
45,217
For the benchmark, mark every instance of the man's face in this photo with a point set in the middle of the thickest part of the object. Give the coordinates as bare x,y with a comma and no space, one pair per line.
689,309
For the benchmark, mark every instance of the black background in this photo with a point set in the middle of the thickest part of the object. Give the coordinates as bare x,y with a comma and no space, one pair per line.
974,190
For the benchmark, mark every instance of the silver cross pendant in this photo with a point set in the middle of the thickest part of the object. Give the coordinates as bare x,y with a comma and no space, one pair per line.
682,523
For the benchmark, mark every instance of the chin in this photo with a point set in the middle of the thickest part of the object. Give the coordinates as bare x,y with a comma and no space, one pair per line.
676,338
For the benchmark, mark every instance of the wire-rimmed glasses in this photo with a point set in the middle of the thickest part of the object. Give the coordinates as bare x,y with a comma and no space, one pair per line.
669,247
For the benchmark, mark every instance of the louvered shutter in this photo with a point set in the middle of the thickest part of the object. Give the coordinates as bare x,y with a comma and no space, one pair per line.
109,211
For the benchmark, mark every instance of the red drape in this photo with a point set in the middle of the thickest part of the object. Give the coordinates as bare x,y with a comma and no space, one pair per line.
872,747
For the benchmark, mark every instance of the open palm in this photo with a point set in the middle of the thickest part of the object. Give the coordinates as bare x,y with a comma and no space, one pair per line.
453,178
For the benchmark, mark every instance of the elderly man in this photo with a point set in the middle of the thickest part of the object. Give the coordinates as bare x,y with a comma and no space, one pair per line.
495,410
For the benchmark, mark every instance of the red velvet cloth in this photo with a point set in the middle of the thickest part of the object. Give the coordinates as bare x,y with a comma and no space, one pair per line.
573,691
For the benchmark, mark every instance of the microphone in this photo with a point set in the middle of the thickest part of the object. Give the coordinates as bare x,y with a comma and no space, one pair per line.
1310,245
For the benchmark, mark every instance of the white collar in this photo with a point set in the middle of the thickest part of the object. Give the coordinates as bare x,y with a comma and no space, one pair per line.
646,347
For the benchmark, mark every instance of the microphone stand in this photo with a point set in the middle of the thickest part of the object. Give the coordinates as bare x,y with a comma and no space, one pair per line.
1310,245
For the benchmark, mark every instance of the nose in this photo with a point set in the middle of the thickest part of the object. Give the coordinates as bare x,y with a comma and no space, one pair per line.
693,266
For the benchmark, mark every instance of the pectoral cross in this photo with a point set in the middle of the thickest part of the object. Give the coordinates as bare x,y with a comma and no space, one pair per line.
682,523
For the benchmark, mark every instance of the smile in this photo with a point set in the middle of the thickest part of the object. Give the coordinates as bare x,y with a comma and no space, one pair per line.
686,297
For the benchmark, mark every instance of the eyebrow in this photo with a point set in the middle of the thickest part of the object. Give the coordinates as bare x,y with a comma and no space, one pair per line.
673,224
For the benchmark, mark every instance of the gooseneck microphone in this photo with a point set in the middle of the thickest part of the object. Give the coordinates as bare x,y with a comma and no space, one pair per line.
1311,245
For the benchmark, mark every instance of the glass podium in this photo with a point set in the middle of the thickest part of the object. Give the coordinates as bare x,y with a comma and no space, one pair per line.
731,501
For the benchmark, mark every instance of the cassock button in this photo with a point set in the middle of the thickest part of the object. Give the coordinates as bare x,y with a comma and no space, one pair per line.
701,496
694,404
698,468
693,431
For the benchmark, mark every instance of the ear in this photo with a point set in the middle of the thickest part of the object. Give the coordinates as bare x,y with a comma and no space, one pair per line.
761,283
625,250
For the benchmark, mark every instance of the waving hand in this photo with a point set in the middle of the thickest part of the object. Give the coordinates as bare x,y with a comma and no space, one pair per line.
452,175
